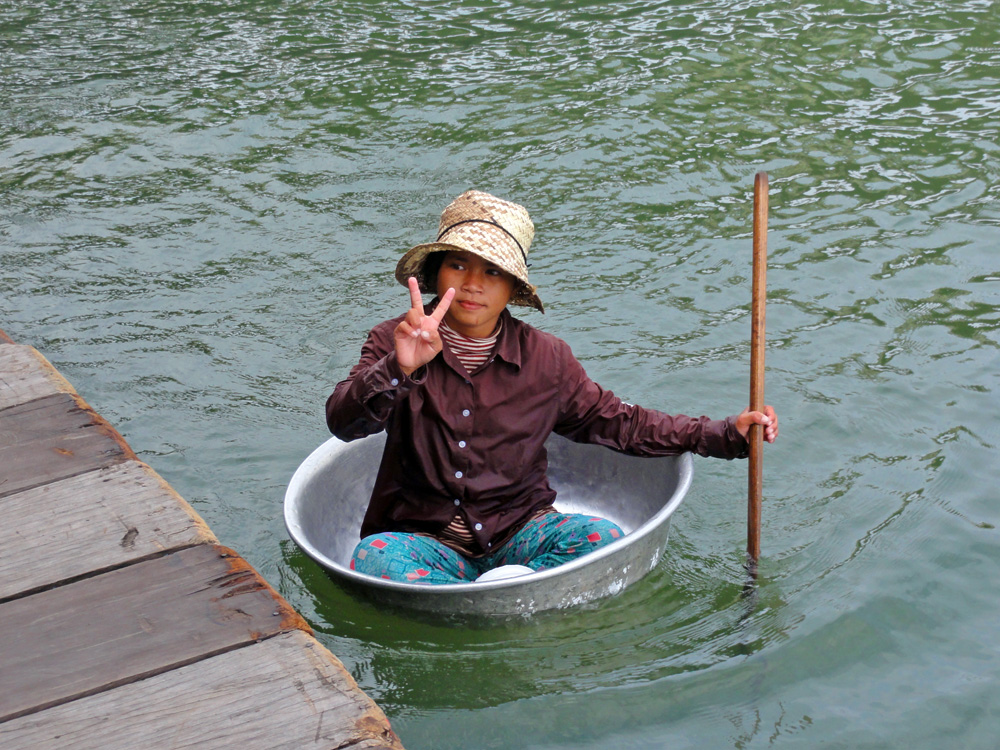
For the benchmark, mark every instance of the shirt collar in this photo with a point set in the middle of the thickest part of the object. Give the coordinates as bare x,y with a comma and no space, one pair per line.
508,346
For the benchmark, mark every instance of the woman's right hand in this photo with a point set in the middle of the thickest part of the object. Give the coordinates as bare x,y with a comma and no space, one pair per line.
417,338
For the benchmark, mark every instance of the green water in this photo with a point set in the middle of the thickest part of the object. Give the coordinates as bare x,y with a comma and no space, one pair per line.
202,207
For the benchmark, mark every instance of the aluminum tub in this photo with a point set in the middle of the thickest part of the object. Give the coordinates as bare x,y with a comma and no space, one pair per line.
328,494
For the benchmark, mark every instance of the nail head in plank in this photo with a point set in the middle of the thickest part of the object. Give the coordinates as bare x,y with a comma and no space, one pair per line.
144,619
91,523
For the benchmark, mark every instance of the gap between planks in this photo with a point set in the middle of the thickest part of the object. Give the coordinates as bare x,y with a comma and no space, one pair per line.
288,689
121,514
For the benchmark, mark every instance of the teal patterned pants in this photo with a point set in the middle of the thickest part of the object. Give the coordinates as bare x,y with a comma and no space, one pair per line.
544,542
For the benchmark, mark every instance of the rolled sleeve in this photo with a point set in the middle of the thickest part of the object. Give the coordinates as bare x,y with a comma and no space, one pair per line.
721,439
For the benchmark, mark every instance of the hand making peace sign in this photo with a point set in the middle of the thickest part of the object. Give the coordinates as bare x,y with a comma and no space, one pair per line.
417,339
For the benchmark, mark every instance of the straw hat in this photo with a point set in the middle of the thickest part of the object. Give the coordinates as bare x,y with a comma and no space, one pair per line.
494,229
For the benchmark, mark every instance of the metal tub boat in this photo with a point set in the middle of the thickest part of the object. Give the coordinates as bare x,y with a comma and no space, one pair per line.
328,494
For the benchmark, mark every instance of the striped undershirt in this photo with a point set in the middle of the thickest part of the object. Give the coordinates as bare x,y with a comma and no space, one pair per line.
472,353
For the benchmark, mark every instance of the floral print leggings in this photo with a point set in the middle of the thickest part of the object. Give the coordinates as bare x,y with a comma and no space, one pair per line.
543,542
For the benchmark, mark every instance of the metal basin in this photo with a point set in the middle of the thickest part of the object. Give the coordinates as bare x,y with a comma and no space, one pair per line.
328,494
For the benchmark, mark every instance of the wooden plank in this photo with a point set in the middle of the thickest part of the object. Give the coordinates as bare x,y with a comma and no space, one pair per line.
4,338
91,523
141,620
53,438
287,692
26,375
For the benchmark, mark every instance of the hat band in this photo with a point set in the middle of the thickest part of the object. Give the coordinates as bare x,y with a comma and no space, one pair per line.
492,223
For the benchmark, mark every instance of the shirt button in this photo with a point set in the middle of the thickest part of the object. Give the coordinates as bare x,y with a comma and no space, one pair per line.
458,475
479,527
461,443
395,381
466,412
457,501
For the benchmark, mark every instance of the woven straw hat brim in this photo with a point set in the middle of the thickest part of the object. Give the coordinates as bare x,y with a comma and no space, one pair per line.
492,228
412,264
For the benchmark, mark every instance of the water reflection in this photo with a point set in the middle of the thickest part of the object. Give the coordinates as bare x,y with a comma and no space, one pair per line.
676,620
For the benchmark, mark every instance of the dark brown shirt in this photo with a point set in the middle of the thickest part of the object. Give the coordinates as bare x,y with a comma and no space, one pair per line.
474,443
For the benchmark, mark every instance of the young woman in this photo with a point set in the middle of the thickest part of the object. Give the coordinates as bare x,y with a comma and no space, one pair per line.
468,395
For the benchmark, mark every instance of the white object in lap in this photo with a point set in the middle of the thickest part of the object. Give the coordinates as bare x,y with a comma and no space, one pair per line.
505,571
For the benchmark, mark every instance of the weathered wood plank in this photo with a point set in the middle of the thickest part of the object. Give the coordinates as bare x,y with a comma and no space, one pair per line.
122,623
141,620
91,523
53,438
287,692
26,375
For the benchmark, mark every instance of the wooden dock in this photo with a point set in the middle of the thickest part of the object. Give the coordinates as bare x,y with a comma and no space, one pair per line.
123,621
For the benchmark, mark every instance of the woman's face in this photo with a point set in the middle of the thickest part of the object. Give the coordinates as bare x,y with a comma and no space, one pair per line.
482,291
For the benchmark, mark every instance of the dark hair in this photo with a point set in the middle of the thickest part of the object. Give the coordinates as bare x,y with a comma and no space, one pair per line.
429,273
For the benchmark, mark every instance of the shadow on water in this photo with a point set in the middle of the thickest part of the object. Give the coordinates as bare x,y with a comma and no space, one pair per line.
655,629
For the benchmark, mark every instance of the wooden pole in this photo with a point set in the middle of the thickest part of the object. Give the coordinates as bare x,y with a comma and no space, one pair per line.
756,435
